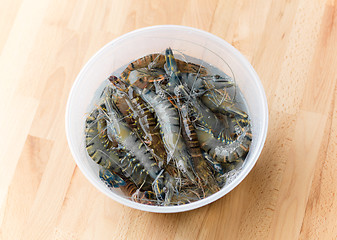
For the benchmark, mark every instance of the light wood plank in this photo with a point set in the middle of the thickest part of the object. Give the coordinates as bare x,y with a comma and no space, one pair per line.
25,184
321,209
289,194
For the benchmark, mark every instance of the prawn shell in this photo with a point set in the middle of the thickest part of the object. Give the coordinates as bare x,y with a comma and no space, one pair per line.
95,147
154,60
157,61
169,123
138,116
136,131
110,178
199,163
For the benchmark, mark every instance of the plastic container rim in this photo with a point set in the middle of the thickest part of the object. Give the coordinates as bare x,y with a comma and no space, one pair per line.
199,203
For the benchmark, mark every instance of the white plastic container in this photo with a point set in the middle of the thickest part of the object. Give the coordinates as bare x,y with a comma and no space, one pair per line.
192,42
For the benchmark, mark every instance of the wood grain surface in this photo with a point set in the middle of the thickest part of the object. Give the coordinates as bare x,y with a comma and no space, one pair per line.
291,193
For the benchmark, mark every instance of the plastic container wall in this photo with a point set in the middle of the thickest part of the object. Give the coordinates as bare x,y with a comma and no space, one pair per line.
118,53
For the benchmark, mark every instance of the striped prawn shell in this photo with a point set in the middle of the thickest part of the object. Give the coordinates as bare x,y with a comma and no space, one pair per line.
200,166
95,147
135,193
238,126
132,144
189,67
169,123
216,166
135,146
145,78
147,121
111,178
154,60
157,60
224,152
215,102
114,180
138,117
116,159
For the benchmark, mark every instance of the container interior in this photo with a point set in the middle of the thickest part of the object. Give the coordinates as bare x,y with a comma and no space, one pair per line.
117,54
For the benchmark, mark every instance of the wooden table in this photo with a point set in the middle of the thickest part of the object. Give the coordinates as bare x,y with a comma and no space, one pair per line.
289,194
